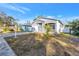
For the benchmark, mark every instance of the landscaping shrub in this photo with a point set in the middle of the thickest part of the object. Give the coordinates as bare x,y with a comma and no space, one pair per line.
48,30
11,30
76,32
5,30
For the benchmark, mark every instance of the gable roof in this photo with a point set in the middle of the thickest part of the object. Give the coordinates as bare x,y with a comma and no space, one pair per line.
40,17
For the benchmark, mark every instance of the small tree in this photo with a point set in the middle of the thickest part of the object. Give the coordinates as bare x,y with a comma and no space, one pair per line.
48,30
74,26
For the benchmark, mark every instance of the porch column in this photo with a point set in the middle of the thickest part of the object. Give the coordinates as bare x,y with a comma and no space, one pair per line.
57,27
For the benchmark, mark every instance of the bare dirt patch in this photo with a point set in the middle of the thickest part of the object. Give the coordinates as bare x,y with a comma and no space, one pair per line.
36,45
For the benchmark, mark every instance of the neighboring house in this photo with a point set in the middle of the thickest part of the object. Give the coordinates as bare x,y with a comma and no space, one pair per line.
27,28
39,22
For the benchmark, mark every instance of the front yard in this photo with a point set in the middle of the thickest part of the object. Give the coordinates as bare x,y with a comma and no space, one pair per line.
35,44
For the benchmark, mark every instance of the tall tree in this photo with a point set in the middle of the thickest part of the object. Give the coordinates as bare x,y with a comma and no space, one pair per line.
11,20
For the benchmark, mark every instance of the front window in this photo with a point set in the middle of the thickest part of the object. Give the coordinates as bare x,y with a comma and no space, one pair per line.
52,25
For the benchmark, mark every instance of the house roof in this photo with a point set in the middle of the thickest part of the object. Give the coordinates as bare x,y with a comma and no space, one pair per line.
39,17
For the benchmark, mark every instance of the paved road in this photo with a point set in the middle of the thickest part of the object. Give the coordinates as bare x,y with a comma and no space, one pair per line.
12,34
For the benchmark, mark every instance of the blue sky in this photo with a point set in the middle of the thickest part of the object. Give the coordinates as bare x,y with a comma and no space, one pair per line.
28,11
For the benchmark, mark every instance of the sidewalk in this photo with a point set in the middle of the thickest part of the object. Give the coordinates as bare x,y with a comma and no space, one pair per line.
5,50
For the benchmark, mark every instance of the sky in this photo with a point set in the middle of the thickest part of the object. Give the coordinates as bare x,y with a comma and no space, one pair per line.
28,11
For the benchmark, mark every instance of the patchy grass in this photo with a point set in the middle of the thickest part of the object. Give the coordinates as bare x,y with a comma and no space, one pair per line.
69,35
36,44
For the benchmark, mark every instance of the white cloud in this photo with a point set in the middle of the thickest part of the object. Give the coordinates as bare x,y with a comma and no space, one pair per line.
15,8
64,19
58,16
25,8
51,17
68,19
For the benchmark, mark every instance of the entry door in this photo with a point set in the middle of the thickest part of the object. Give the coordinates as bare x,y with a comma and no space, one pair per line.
52,26
39,26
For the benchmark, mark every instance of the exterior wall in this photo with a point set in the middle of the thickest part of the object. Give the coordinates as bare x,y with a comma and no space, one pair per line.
27,28
36,27
62,28
58,26
47,21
